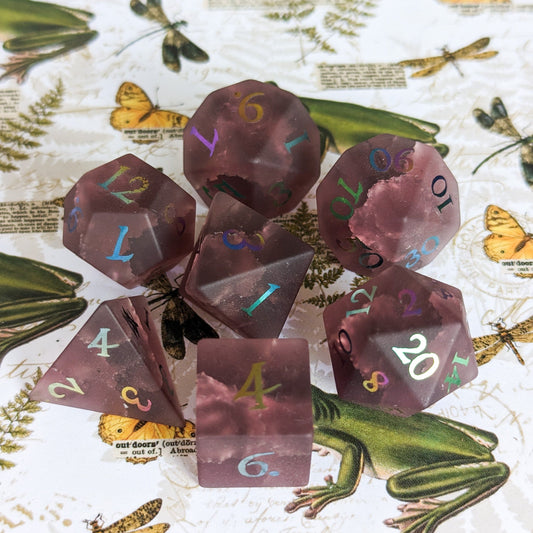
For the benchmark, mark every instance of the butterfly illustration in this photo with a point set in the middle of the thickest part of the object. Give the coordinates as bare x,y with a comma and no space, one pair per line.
136,111
432,65
131,522
175,44
487,346
179,320
113,427
499,122
507,240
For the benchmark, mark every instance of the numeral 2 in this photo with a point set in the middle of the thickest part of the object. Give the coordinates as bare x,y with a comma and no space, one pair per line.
74,387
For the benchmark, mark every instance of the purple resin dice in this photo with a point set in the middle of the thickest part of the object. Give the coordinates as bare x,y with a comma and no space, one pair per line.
129,220
256,142
254,425
388,200
400,342
245,270
115,365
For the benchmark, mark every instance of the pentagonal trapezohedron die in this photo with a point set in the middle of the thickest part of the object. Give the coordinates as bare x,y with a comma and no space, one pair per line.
388,200
400,342
129,220
256,142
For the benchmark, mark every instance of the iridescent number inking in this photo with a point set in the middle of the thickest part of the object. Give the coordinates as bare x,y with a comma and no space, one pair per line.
364,258
223,187
210,145
118,245
441,193
256,377
355,195
414,256
373,384
243,242
261,299
250,461
420,357
135,400
74,215
283,190
401,162
144,184
304,137
409,306
454,378
74,387
354,300
100,341
245,104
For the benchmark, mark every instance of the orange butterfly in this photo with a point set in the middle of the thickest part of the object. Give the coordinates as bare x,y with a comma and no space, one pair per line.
114,427
138,112
507,240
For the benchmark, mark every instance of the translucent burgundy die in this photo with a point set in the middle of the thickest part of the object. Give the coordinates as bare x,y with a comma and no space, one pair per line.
400,342
254,424
116,365
388,200
245,270
129,220
256,142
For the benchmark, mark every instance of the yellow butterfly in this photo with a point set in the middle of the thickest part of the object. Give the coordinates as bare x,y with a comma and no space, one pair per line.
507,240
138,112
113,427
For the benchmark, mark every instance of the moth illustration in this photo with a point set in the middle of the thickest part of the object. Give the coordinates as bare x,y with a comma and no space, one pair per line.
499,122
488,346
129,524
179,320
432,65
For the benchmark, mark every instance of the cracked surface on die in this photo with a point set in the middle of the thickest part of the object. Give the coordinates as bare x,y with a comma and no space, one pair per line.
388,200
129,220
245,270
256,142
400,342
254,416
116,365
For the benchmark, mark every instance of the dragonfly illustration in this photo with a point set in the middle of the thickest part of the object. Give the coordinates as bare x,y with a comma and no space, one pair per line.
432,65
498,121
175,44
179,320
487,346
131,522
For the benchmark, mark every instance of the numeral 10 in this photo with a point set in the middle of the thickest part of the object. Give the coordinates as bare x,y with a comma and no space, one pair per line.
439,190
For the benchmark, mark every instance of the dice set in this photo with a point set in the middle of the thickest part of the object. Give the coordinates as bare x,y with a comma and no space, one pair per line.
398,343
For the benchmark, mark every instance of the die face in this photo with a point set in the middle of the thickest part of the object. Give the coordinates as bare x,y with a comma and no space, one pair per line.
245,270
115,365
256,142
253,414
129,221
400,342
388,200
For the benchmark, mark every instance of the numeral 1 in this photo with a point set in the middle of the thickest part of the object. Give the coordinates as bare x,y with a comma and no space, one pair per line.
210,145
261,299
73,388
289,145
440,194
258,392
118,245
100,341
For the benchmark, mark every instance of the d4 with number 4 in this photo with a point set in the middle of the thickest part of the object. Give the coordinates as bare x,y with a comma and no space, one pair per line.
115,365
129,220
254,425
400,342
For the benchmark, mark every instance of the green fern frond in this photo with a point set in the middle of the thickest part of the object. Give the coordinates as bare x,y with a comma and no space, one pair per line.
15,417
19,134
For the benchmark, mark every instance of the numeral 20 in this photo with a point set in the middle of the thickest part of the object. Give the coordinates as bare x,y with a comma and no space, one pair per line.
420,357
